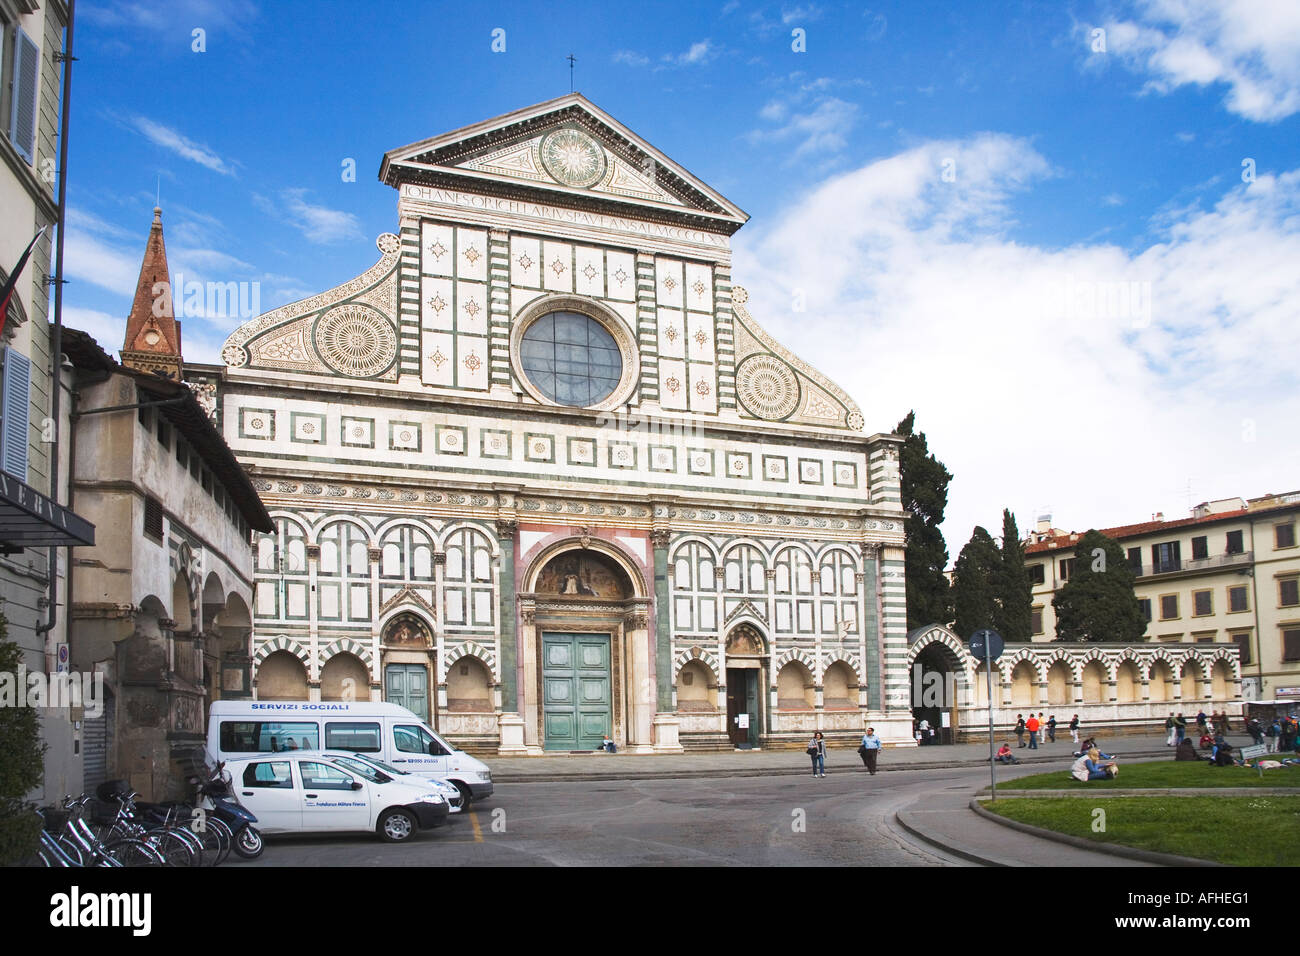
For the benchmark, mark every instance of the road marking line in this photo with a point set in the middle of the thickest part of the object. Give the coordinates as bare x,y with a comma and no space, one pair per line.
478,832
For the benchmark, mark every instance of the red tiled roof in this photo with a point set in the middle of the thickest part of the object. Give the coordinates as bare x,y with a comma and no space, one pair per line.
1067,540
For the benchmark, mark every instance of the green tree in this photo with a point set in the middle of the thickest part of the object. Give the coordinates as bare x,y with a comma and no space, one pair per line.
1098,603
22,758
1015,593
924,484
975,580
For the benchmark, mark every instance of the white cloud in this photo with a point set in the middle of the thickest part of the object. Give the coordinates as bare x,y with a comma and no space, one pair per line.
631,58
88,259
1251,46
318,224
182,146
1097,379
698,53
821,128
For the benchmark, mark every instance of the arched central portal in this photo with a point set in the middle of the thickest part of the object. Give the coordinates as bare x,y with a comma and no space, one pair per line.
589,651
746,668
937,674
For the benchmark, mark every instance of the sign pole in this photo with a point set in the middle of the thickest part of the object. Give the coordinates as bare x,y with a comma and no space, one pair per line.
993,780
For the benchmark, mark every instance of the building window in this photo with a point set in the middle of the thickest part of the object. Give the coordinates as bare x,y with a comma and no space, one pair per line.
1206,638
1288,592
164,434
1237,598
145,415
571,359
1135,560
1165,557
1284,535
15,411
1145,605
1202,603
1036,574
1200,548
1067,568
153,524
23,78
1291,644
182,453
1168,607
1036,620
1242,640
1234,543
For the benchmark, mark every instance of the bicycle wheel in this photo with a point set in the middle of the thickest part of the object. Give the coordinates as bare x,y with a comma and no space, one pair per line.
69,846
175,850
132,852
225,839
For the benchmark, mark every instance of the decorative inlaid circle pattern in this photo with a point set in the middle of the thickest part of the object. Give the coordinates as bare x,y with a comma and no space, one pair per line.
856,421
235,356
356,340
388,243
767,387
573,158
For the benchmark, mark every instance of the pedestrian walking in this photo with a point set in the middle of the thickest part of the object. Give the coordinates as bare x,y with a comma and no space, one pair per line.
1272,734
1074,728
1180,724
817,750
1051,729
870,749
1031,725
1200,721
1171,727
1020,729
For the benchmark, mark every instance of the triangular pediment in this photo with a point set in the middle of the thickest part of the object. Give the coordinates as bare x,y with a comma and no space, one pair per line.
566,147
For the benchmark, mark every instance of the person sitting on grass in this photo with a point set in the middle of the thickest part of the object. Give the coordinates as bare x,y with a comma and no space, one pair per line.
1090,767
1223,756
1005,755
1186,751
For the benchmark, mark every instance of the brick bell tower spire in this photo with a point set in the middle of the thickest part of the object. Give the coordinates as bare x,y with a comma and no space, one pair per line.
153,335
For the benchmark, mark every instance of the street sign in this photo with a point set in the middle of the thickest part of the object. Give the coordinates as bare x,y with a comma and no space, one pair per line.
985,644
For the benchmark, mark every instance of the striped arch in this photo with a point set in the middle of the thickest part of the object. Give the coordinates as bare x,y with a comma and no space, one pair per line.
1108,661
486,656
346,645
282,643
1161,655
1074,666
803,546
836,657
425,524
1025,655
921,638
800,655
763,549
1228,654
1193,657
705,657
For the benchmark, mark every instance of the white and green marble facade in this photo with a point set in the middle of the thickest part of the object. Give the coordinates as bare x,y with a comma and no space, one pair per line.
417,475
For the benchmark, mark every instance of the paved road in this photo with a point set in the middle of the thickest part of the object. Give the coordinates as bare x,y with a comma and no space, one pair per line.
844,819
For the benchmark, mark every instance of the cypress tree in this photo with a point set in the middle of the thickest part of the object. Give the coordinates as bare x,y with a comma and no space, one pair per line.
1015,592
924,485
975,581
1098,602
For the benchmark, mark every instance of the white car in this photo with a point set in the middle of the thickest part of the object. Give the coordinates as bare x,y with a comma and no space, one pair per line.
368,766
309,793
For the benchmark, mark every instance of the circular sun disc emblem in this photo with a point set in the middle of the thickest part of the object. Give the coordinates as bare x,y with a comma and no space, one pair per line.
573,158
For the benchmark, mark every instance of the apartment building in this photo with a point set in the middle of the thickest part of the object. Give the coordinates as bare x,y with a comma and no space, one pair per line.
1230,572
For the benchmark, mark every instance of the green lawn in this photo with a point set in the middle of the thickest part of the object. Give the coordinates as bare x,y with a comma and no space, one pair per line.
1238,831
1158,773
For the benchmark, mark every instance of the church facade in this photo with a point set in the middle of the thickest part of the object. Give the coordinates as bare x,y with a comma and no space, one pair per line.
539,475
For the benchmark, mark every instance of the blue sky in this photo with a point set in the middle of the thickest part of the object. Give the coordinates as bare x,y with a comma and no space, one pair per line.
1082,163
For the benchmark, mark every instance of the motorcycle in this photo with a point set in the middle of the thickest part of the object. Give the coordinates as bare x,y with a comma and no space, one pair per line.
217,797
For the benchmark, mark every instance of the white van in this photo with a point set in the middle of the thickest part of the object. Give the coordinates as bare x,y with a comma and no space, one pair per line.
237,728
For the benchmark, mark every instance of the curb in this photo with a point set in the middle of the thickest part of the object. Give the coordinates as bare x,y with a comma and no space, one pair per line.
1112,849
1153,792
563,776
905,820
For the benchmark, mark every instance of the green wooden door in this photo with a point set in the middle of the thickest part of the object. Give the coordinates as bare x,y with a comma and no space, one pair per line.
408,686
575,678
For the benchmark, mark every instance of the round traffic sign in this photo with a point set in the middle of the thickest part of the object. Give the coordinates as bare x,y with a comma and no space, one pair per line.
986,644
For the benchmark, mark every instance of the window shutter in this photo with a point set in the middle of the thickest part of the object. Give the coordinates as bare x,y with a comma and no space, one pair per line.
15,413
22,117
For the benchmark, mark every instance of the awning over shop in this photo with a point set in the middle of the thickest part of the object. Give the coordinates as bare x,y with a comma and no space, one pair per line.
28,519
